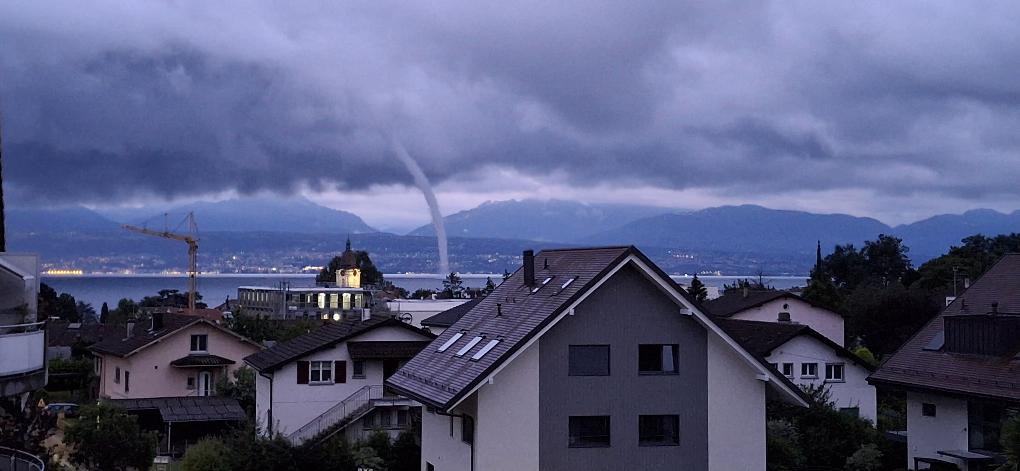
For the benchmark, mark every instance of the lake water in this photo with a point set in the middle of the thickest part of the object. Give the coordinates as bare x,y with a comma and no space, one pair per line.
97,289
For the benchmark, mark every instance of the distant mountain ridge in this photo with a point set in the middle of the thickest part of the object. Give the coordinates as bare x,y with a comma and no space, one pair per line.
540,220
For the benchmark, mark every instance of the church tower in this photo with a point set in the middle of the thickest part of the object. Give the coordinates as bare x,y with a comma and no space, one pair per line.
349,275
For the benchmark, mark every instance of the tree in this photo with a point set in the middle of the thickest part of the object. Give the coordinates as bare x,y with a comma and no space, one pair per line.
86,313
1010,440
106,438
370,275
867,458
126,309
242,388
490,286
822,291
740,285
453,286
422,293
104,314
883,317
405,454
782,443
170,298
698,290
886,259
209,454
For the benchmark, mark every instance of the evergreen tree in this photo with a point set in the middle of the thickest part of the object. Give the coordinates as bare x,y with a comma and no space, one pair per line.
490,286
104,314
698,290
453,286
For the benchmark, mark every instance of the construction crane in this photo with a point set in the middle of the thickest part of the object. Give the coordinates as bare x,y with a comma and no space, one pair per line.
191,238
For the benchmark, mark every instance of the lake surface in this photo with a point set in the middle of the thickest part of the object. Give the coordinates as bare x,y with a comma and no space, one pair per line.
97,289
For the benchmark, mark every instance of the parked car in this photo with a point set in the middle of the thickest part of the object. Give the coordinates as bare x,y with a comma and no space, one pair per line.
69,409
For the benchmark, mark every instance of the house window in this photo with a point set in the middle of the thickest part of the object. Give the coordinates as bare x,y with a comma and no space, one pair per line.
199,343
116,375
658,430
589,431
467,429
928,409
320,372
385,417
191,382
809,370
588,360
834,372
788,370
359,369
401,417
657,359
127,381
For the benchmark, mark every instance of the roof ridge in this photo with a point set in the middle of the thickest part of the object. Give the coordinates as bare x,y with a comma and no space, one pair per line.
582,249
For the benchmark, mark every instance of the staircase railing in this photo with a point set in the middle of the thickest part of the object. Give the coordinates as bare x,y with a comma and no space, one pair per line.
346,409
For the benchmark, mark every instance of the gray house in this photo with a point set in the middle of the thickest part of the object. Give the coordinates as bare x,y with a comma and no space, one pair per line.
590,359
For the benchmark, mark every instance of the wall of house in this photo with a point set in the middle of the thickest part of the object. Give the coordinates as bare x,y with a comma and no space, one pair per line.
295,405
821,320
736,410
853,392
151,372
626,311
441,443
947,430
505,435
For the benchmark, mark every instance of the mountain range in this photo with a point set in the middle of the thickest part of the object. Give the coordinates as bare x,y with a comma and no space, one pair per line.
260,232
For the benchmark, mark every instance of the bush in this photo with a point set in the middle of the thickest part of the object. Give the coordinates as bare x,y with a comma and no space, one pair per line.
209,454
782,446
867,458
106,438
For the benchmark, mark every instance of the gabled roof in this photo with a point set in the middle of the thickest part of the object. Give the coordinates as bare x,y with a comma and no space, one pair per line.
142,338
399,349
732,303
922,364
761,338
448,317
64,334
327,336
201,360
516,315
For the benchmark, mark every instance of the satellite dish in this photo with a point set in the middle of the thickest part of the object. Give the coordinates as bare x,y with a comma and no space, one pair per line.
405,317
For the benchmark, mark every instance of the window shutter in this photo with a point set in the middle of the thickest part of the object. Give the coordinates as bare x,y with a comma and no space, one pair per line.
339,371
302,372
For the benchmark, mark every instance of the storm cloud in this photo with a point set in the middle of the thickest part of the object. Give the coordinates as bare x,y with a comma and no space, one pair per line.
105,102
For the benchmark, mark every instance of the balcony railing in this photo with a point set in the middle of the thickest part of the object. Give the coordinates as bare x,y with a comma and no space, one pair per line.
22,348
17,460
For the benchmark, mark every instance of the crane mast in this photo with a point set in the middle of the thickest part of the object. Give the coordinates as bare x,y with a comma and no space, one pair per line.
191,238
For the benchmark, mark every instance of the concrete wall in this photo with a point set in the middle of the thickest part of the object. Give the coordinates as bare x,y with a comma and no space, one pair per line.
854,392
626,311
151,372
16,292
441,443
294,405
946,431
736,411
505,436
823,321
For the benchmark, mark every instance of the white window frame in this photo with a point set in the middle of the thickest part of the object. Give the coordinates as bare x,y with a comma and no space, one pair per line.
786,365
197,341
806,374
323,369
830,370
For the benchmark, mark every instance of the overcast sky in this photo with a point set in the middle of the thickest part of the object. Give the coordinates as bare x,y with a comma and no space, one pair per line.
896,110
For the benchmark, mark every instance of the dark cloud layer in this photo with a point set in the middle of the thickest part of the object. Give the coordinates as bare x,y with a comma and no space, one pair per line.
111,102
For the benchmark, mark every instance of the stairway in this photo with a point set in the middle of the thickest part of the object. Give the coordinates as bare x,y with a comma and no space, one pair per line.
343,413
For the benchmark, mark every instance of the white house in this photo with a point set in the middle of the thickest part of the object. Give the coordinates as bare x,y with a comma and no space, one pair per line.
961,375
331,379
809,358
590,359
778,306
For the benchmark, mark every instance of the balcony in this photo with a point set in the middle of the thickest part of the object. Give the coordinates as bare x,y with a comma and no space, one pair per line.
22,358
17,460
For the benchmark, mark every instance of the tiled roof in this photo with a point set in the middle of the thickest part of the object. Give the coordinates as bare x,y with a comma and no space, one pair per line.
64,334
384,349
327,336
202,360
732,303
914,366
187,408
448,317
761,338
513,314
143,335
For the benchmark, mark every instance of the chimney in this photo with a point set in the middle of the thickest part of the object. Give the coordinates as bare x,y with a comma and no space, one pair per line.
529,267
157,321
130,328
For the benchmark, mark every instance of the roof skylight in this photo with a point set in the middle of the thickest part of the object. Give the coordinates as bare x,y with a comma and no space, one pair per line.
544,282
481,353
450,342
469,346
567,283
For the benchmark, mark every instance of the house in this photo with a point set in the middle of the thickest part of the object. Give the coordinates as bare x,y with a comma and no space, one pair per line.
778,306
419,311
331,379
172,355
961,374
443,320
590,359
23,356
809,358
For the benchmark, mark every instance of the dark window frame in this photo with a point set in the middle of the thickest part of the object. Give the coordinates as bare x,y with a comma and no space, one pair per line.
784,365
575,369
645,359
358,369
199,342
805,374
580,428
661,436
831,378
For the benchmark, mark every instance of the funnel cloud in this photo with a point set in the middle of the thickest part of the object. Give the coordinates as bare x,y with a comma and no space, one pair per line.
422,182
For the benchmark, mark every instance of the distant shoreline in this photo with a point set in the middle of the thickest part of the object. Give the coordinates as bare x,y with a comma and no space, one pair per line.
387,275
